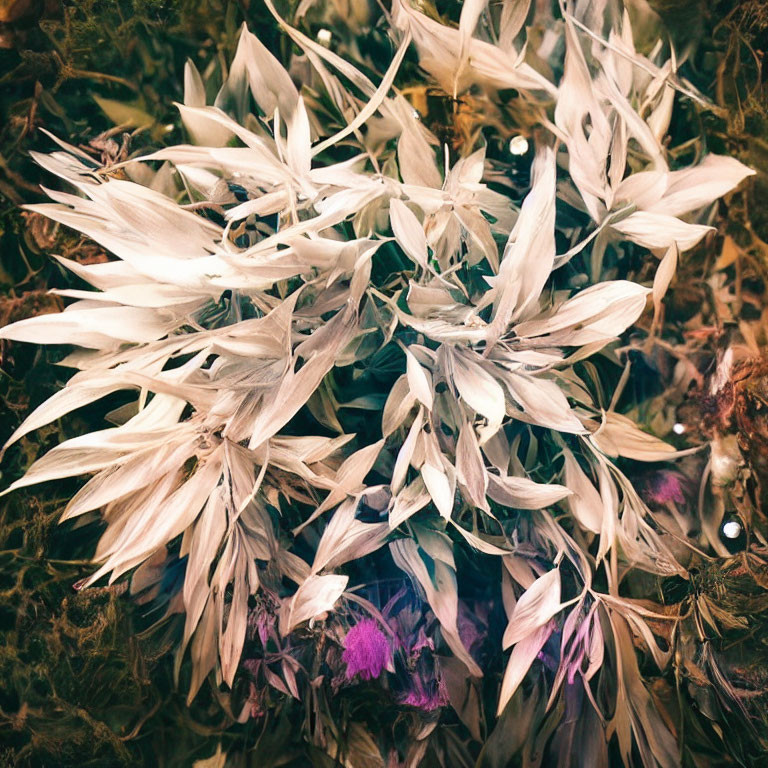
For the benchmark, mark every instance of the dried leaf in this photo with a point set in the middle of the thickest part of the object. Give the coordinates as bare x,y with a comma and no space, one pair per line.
585,503
523,493
317,595
478,389
536,606
520,660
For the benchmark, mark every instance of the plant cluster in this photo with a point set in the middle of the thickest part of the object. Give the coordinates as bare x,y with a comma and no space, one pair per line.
368,386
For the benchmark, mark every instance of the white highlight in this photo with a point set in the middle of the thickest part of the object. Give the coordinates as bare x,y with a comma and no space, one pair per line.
732,529
518,145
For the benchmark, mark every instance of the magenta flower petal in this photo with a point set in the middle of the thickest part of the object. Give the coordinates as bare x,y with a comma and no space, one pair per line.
666,487
427,697
366,650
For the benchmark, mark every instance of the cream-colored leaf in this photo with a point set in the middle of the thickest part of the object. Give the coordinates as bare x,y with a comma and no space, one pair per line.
691,188
419,380
603,311
471,11
203,132
409,232
478,389
585,503
513,15
470,469
317,595
194,88
74,395
346,538
523,493
408,502
520,660
203,650
92,327
405,454
544,402
373,103
440,488
354,469
620,436
661,280
397,407
481,543
439,48
298,149
536,606
530,252
232,639
270,84
610,511
416,159
653,229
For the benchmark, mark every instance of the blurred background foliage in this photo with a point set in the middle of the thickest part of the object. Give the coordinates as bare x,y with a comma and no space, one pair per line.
78,684
81,681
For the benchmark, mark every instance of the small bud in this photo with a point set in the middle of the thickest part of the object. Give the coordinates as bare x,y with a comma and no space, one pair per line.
518,145
324,38
732,529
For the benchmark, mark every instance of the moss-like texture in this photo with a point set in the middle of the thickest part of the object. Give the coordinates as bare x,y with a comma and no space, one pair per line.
79,686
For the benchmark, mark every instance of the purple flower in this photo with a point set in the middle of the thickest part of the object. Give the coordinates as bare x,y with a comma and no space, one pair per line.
666,487
261,621
426,695
366,650
426,701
